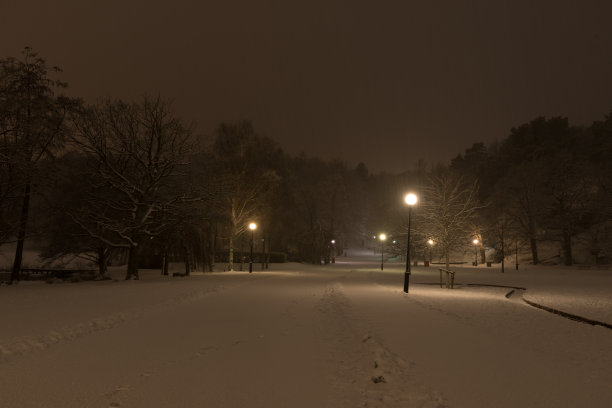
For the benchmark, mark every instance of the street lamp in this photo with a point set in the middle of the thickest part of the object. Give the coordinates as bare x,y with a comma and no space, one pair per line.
252,227
410,199
475,241
382,238
333,251
430,242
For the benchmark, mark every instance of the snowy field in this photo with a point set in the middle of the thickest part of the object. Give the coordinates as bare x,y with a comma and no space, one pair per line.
340,335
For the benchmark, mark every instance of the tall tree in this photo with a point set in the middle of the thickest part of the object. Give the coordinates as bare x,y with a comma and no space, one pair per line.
245,162
32,127
523,157
571,194
448,209
135,153
66,195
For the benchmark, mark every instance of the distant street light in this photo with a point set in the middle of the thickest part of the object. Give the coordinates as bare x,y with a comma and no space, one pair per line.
475,241
382,238
333,251
252,227
430,242
410,199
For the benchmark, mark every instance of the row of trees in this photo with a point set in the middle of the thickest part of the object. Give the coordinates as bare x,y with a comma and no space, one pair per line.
547,181
548,184
132,178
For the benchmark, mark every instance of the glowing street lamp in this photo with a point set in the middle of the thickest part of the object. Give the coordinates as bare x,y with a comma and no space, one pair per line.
410,199
475,242
430,242
252,227
382,238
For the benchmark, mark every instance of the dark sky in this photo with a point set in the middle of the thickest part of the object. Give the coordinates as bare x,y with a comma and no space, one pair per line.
383,82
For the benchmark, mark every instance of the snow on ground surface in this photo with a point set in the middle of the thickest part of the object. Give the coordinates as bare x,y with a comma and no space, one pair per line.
339,335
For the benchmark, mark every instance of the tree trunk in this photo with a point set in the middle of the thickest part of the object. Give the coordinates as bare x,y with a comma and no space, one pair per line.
503,253
164,261
187,260
267,252
447,258
567,248
230,265
213,249
103,254
534,250
23,223
132,266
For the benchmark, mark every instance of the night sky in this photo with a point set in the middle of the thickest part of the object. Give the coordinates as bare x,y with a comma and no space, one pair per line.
383,82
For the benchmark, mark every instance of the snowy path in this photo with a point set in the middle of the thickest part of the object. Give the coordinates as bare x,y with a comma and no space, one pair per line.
482,349
343,335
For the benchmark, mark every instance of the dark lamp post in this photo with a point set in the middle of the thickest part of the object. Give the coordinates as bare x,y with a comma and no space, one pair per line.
410,199
252,227
263,253
475,241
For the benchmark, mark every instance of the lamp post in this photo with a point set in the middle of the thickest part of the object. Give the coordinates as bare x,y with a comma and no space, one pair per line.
430,242
252,227
382,238
263,254
475,241
333,251
410,199
516,254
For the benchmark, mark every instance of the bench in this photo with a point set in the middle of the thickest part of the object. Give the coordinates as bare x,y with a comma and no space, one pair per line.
49,273
450,278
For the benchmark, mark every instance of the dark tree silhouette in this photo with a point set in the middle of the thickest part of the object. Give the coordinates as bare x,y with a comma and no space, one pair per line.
32,127
135,151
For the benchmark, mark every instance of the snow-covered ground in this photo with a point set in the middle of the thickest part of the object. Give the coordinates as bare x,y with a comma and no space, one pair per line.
340,335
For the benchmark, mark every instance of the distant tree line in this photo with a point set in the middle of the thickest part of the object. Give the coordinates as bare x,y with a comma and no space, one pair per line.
129,178
547,181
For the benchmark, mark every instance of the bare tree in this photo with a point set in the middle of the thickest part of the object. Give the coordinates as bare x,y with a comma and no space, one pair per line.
135,151
524,185
448,208
570,208
500,225
32,119
247,175
65,195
